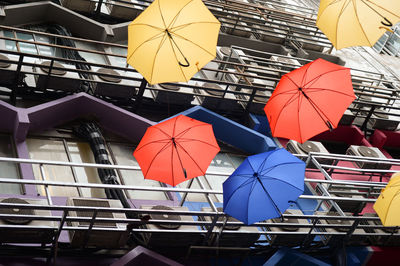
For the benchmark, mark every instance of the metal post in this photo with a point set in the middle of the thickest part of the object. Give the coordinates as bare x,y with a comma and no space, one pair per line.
46,187
253,93
46,82
139,96
98,9
87,233
305,240
186,193
74,175
214,221
54,248
15,84
364,125
324,191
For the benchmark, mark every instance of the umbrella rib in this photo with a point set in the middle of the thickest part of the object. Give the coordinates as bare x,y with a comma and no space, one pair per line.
320,75
287,76
280,112
333,2
381,7
283,181
143,24
252,168
187,129
151,142
195,44
275,166
262,164
165,133
338,18
324,89
391,200
359,22
148,40
155,56
245,183
188,24
185,139
162,17
244,175
305,74
158,153
393,14
177,14
173,129
203,172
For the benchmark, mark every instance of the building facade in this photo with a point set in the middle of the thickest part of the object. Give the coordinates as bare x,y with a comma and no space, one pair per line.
72,113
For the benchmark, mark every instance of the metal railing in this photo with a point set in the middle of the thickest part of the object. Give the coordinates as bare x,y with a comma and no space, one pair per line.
314,220
377,93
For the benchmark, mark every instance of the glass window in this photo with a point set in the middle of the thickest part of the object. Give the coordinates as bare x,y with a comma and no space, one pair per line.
24,47
394,43
222,164
10,45
236,160
91,57
8,169
118,61
45,50
52,150
81,152
198,197
381,42
123,156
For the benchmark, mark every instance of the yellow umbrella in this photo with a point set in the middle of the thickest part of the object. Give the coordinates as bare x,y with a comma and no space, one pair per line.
172,39
356,22
387,206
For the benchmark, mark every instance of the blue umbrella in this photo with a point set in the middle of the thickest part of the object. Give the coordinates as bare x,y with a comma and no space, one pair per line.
263,186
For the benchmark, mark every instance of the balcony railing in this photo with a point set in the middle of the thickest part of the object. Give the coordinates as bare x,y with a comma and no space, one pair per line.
71,218
244,79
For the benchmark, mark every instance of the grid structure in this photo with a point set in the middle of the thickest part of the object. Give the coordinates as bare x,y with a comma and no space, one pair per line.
259,42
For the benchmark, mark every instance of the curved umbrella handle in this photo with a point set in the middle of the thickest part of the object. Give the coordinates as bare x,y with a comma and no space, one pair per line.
386,28
387,22
184,65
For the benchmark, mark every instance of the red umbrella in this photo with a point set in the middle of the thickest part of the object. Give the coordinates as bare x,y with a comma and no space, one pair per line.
309,100
176,150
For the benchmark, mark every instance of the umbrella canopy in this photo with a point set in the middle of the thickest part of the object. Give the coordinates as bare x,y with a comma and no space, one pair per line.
356,22
172,39
309,100
176,150
388,204
263,186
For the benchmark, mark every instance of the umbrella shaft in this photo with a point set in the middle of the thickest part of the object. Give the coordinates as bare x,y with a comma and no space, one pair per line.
276,207
184,57
179,158
328,124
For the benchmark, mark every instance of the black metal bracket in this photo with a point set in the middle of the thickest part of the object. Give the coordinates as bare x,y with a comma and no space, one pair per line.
13,96
139,96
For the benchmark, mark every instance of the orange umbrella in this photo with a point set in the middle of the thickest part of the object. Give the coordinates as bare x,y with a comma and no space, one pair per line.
309,100
176,150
